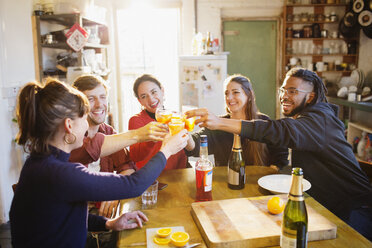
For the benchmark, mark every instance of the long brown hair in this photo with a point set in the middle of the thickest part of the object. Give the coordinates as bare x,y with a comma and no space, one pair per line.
254,153
41,110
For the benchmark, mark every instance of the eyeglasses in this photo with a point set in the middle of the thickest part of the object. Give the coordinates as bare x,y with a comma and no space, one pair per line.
290,91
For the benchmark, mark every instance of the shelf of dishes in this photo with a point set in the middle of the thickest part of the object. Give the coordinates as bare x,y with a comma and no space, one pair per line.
58,45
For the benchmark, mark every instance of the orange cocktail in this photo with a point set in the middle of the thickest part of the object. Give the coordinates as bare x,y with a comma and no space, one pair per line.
163,115
190,124
176,123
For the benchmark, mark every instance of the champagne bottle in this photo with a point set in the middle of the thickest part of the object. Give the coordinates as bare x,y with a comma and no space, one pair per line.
204,172
209,44
236,166
294,225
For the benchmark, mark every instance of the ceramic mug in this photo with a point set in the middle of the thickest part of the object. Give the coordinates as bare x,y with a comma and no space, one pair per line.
319,66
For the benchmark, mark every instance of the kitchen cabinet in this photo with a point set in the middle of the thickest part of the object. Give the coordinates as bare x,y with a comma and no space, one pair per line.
312,39
358,116
54,57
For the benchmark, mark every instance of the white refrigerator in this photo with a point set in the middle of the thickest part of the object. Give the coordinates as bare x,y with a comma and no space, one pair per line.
201,81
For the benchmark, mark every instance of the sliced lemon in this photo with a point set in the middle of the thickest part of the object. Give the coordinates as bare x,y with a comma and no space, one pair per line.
161,241
179,238
163,232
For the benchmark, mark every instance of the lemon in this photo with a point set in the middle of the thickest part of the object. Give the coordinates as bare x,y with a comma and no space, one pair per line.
163,232
179,238
275,205
161,241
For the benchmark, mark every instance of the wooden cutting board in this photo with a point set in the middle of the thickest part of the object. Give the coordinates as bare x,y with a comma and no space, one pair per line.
246,222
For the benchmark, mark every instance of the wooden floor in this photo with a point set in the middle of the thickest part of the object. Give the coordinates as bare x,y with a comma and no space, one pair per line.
5,236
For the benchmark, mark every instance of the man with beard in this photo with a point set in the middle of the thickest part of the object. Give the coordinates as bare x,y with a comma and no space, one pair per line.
316,136
107,153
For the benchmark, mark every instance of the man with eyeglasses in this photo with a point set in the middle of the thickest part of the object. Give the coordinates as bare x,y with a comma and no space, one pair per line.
316,136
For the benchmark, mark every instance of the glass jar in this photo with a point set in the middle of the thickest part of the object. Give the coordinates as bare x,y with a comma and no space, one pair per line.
307,31
289,32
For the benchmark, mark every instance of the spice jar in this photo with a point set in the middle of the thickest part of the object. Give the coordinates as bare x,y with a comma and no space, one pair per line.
327,18
334,17
307,31
304,17
289,32
289,17
324,33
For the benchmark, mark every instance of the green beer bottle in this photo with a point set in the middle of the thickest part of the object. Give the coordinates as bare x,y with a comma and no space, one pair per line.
294,225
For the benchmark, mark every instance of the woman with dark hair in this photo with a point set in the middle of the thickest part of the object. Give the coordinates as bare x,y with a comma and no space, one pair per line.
150,94
241,104
49,208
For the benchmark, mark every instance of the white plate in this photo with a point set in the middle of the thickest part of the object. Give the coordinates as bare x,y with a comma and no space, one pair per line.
280,184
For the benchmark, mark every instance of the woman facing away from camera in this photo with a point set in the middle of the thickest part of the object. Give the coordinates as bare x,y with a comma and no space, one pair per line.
49,208
241,104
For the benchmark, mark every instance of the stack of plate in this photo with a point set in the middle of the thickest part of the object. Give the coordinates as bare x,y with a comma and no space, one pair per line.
357,76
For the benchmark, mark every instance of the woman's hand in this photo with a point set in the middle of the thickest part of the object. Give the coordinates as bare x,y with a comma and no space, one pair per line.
173,144
206,118
153,131
127,221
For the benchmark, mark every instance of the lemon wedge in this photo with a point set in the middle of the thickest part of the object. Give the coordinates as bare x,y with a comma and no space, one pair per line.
163,232
161,241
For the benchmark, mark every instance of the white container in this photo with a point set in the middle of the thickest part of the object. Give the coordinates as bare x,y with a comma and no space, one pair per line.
75,71
73,6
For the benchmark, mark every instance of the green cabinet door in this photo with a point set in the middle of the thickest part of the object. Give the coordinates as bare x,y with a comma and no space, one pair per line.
252,47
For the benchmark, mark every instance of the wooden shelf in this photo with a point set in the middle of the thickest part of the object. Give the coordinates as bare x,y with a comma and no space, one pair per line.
360,127
363,106
311,22
317,5
69,19
308,54
332,71
65,46
320,39
317,9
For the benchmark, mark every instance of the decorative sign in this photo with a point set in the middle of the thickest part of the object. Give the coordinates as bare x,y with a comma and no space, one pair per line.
77,37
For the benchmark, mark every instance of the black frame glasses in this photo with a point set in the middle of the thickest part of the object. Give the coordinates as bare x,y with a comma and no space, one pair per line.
290,91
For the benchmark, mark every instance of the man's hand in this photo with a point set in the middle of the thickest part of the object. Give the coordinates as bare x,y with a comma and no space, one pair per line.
206,118
153,131
108,208
127,221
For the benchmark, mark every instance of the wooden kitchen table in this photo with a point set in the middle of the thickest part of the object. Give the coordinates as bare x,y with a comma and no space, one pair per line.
174,206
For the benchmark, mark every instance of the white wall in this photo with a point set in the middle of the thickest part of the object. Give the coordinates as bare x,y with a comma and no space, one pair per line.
16,68
211,12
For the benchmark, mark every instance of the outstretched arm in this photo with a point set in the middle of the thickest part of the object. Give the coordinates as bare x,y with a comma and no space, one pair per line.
153,131
211,121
